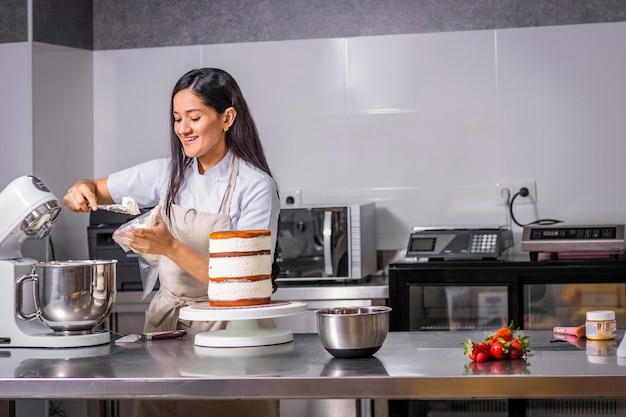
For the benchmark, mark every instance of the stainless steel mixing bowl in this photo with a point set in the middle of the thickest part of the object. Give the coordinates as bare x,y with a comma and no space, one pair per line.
353,332
71,297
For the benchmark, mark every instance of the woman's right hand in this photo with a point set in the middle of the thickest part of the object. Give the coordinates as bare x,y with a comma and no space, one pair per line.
81,196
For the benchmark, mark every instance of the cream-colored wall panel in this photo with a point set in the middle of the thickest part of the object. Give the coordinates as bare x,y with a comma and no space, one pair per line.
420,72
391,150
579,202
16,137
15,82
62,158
430,148
285,79
119,146
62,84
563,142
312,156
562,64
132,95
15,112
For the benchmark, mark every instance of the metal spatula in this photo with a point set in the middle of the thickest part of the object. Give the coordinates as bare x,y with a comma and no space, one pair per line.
116,208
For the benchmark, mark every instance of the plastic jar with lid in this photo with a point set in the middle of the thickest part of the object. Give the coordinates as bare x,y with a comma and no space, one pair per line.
600,325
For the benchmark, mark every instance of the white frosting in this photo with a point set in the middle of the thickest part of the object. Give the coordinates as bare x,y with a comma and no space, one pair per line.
131,205
238,290
240,266
238,244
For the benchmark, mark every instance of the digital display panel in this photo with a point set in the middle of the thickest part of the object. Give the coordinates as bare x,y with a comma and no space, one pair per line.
423,244
574,233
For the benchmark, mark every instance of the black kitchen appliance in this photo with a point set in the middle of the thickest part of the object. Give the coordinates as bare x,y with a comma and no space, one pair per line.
101,245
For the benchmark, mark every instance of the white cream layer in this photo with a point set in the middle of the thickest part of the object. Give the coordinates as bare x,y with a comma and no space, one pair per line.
238,244
232,291
239,266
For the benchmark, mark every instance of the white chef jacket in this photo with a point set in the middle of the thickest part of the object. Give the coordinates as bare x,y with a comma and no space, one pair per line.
254,205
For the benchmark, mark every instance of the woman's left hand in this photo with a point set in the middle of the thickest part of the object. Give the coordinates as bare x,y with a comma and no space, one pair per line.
156,239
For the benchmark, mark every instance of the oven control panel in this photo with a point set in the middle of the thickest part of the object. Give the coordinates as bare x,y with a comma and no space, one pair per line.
445,243
573,238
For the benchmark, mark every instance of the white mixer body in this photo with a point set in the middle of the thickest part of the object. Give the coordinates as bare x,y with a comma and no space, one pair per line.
27,208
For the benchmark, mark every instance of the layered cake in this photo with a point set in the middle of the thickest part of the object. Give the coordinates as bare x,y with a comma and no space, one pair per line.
240,268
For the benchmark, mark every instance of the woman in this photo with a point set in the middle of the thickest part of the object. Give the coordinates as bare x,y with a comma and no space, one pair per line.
217,178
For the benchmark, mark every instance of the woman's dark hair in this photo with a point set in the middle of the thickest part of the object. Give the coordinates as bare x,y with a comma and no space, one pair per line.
218,90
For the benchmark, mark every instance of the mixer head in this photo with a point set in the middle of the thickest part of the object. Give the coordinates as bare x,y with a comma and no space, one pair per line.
27,208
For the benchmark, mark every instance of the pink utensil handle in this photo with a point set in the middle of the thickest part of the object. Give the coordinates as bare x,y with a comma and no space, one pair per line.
578,331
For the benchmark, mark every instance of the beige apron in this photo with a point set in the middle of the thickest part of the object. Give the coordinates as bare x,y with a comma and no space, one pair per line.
178,289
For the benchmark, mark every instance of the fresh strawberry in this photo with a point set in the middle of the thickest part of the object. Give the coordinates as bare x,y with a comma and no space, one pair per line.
502,344
504,333
518,347
477,352
498,349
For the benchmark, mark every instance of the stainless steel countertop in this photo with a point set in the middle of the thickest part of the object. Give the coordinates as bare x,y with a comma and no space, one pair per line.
410,365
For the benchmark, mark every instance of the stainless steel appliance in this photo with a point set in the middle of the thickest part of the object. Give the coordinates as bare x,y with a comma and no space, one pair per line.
554,239
442,243
28,208
332,242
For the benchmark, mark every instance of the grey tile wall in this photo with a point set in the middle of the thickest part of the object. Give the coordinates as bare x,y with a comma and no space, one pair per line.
120,24
13,21
63,22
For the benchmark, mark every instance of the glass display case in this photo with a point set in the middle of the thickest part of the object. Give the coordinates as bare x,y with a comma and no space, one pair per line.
484,295
487,294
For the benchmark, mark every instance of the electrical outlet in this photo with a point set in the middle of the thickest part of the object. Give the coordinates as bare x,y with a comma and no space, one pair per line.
513,187
291,197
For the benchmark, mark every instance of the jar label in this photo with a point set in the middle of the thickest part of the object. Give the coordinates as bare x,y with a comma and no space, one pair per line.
606,328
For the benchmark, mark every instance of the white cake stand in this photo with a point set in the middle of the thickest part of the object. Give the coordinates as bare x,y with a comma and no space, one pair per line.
243,330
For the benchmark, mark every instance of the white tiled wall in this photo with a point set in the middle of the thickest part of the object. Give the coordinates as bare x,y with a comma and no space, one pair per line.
132,90
63,133
424,124
15,126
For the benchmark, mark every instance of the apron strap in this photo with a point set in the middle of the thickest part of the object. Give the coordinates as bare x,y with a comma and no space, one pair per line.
233,170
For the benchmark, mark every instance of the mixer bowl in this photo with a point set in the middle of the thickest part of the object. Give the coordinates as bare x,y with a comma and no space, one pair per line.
75,296
353,332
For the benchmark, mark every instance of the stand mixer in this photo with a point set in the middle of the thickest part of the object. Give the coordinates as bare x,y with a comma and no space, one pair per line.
28,208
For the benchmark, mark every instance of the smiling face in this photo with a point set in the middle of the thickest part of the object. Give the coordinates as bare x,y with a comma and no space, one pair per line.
201,129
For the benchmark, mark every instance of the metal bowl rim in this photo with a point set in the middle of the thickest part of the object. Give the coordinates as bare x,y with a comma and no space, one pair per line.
72,262
371,310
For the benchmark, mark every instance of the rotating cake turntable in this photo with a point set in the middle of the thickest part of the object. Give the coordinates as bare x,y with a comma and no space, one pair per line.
243,330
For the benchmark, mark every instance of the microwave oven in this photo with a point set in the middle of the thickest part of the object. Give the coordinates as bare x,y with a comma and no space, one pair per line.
327,242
